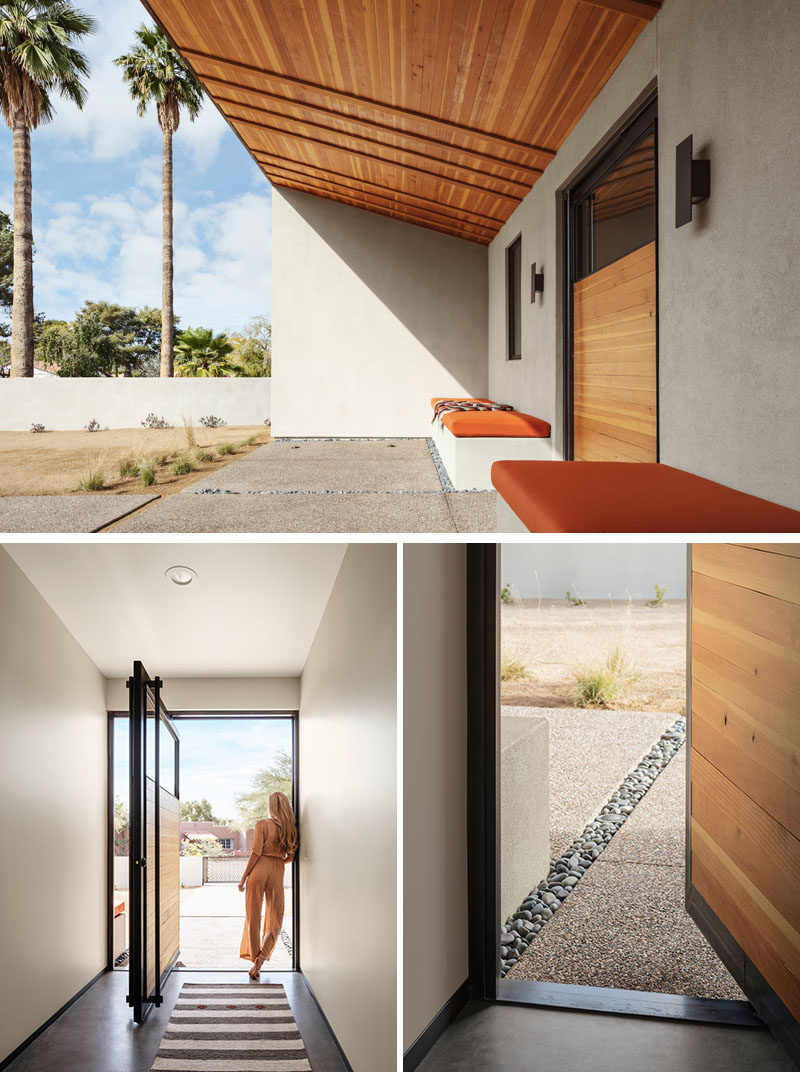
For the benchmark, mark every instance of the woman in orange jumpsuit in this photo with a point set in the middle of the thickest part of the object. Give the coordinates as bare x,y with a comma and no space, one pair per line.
274,845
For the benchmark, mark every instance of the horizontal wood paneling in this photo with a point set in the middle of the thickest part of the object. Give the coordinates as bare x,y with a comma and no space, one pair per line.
463,103
614,364
745,751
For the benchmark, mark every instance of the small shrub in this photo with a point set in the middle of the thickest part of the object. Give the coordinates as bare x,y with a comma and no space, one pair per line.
513,669
250,441
147,475
505,593
182,467
212,422
574,601
151,421
602,686
94,480
36,427
205,455
226,448
128,466
659,600
93,426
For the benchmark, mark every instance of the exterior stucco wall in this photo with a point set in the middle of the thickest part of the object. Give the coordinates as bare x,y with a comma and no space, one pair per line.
63,404
371,318
729,315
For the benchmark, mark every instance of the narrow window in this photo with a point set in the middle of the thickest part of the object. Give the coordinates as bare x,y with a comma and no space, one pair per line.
514,295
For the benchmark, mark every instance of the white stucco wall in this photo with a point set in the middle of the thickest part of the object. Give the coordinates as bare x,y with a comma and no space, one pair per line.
729,315
66,403
594,570
371,318
347,758
53,766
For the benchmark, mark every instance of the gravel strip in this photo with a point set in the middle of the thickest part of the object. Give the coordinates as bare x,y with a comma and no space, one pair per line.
566,872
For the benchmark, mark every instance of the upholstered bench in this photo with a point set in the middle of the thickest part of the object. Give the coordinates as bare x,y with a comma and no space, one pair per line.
469,441
552,496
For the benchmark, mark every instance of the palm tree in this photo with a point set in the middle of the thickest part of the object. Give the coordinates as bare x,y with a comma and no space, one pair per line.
154,71
202,353
37,59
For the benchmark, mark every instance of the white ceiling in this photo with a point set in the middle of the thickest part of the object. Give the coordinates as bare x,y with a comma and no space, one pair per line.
253,610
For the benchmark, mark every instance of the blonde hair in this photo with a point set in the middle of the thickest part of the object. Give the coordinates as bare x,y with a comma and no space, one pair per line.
281,813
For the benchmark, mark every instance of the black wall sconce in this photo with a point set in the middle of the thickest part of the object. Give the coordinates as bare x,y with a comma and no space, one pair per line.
692,181
537,283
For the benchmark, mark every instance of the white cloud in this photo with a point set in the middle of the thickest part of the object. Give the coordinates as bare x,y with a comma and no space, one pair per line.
222,256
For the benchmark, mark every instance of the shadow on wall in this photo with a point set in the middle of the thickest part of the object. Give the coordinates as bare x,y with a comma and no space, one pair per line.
428,285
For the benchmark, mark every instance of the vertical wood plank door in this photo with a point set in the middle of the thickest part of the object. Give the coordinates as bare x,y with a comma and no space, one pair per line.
614,361
744,827
170,878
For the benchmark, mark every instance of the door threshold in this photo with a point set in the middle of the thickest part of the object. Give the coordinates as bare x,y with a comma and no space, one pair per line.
628,1002
232,971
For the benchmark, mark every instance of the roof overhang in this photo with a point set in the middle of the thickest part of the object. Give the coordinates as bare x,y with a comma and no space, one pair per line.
441,113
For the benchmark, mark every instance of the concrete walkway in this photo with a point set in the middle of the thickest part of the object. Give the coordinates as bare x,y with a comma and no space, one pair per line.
212,918
624,925
66,513
366,485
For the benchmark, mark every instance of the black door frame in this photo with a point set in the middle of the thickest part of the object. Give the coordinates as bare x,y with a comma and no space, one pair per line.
141,688
483,839
643,121
178,716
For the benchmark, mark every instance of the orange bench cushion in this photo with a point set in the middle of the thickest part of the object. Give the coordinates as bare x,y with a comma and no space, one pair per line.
631,497
495,422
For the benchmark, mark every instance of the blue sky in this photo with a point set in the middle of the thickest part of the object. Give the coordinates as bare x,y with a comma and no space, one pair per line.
218,758
97,200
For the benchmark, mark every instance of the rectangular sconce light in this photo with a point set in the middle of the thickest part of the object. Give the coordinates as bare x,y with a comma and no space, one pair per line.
692,181
537,283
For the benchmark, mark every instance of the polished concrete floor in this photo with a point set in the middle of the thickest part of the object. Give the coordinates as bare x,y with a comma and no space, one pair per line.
503,1038
96,1034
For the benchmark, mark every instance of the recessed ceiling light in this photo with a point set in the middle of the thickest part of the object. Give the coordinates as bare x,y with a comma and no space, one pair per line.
181,575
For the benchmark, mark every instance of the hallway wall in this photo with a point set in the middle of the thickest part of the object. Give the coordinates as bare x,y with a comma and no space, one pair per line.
435,794
52,811
348,809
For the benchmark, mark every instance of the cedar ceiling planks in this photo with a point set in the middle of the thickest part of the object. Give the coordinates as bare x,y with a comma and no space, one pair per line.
439,112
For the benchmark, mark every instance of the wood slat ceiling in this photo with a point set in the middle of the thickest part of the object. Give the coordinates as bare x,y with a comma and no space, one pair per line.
439,112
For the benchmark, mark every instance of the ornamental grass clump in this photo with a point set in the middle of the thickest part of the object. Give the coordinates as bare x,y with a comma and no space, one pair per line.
182,467
147,475
128,466
604,684
95,480
513,668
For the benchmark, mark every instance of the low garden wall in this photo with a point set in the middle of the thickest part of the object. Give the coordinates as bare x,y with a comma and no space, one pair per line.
524,808
66,404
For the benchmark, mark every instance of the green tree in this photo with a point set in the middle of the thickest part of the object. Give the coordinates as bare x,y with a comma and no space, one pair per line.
202,845
136,333
81,348
202,353
121,828
276,778
199,811
37,59
252,348
6,270
156,73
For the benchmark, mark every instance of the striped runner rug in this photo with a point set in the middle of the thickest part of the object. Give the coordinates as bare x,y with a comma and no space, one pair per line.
232,1027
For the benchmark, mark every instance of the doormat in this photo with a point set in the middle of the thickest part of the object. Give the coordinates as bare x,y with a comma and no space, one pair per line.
232,1027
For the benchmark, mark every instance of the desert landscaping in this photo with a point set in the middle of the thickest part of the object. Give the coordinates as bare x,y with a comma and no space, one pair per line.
119,461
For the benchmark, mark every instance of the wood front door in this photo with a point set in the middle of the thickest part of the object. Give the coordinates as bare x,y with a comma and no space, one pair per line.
154,878
743,859
612,368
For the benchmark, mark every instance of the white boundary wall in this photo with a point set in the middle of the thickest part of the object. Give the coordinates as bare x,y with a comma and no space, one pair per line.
66,403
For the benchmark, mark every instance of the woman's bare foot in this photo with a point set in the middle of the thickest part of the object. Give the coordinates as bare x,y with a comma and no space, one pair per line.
255,971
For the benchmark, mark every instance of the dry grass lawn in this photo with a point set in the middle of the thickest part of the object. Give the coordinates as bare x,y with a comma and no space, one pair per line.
54,463
551,639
